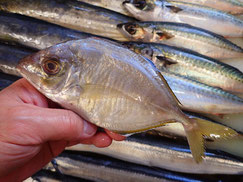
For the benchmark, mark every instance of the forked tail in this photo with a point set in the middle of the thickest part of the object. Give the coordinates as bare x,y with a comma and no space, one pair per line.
200,129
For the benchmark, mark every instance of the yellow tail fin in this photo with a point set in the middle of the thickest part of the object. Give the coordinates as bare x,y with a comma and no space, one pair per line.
199,129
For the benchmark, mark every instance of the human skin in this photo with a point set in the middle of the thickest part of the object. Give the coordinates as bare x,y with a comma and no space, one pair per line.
33,130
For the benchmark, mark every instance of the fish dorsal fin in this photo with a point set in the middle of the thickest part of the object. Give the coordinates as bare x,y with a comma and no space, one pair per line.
166,61
164,35
174,9
167,85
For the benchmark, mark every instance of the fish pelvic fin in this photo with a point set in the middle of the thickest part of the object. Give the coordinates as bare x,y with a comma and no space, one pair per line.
201,129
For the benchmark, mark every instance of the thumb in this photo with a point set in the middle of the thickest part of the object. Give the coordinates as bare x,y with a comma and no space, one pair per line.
46,124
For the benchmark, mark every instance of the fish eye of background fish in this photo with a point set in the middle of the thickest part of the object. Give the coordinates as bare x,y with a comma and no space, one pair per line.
131,28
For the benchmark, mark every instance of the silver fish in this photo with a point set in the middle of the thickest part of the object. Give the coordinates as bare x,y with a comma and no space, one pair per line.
33,33
101,168
192,65
114,5
230,6
201,98
164,153
71,14
182,35
112,87
174,11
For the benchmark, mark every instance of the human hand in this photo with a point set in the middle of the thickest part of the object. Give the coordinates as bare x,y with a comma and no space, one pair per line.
33,131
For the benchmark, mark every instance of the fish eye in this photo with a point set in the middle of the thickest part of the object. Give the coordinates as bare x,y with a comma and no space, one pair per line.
147,52
131,29
140,4
51,66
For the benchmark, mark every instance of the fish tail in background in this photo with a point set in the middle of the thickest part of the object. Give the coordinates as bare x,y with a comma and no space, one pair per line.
198,129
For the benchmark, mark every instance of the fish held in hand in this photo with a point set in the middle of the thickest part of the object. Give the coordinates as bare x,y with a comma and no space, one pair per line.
114,88
174,11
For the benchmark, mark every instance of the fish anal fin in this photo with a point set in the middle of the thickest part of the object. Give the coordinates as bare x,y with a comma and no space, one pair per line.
174,8
200,129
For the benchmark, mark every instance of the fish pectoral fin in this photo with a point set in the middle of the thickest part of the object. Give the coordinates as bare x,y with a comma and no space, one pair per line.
166,61
174,9
164,35
198,129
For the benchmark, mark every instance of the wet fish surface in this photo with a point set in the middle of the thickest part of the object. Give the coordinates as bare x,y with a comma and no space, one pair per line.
114,5
182,35
101,168
71,14
201,98
230,6
174,11
165,153
191,65
34,33
90,76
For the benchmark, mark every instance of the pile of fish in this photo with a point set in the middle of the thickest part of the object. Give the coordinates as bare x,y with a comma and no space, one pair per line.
136,66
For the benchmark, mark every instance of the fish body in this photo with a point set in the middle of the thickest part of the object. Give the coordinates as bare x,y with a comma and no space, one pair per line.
201,98
174,11
230,6
182,35
165,153
71,14
90,76
6,80
34,33
114,5
191,65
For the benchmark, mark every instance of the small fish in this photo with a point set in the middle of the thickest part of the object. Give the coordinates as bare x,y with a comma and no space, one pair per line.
114,88
191,65
34,33
174,11
165,153
71,14
230,6
201,98
182,35
105,169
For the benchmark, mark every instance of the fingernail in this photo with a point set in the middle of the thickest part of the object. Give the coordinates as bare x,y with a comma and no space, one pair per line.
89,129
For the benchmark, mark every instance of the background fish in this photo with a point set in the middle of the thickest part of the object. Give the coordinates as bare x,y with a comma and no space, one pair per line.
71,14
165,153
182,35
230,6
85,74
34,33
181,12
191,65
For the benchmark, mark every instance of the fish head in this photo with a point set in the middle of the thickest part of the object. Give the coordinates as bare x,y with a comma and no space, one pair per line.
48,69
140,8
132,30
